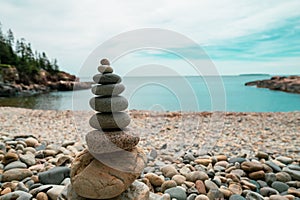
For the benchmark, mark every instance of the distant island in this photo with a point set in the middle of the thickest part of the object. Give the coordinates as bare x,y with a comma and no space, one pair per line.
25,72
283,83
254,74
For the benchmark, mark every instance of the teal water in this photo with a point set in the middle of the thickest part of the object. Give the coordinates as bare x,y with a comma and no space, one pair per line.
226,93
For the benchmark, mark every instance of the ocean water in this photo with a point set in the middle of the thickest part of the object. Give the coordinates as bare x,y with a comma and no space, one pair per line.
226,93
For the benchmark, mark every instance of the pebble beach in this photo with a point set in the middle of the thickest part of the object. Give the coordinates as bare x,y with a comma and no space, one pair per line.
191,155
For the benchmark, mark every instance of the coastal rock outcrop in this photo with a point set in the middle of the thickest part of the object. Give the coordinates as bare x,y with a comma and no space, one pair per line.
14,84
112,161
287,84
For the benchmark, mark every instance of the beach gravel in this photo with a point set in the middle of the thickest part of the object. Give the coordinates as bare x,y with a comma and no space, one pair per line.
202,155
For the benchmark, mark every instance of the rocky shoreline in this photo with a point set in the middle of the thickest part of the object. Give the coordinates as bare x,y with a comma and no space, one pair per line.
254,155
287,84
9,90
11,84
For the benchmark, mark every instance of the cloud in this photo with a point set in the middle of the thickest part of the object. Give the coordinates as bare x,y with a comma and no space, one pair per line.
228,29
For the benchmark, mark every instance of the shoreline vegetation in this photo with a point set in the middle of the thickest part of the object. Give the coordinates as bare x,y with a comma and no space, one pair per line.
24,71
289,84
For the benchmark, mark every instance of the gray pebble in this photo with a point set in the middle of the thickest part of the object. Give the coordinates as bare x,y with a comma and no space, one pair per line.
54,176
110,121
236,197
28,158
275,167
284,159
295,174
279,186
15,164
237,159
177,193
210,185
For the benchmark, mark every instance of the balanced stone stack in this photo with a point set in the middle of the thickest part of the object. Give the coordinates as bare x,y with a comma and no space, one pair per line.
112,161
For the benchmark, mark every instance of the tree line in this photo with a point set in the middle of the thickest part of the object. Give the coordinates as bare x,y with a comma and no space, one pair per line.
19,53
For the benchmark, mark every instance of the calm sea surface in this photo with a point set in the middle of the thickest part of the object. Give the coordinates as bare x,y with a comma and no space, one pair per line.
226,93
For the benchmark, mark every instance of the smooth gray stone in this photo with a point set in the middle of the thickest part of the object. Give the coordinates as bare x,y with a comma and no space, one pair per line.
294,167
107,78
108,90
105,69
15,164
237,159
54,176
236,197
28,158
109,104
117,120
210,185
295,174
177,193
279,186
284,160
275,167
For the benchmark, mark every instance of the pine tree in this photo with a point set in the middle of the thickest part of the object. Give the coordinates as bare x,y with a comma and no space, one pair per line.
10,37
20,54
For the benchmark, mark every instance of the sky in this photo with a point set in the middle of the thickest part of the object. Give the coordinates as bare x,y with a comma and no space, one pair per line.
235,36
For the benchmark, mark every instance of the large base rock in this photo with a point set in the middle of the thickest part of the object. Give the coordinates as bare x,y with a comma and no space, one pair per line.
92,179
136,191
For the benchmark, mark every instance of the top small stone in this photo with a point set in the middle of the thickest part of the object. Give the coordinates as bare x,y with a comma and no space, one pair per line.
104,62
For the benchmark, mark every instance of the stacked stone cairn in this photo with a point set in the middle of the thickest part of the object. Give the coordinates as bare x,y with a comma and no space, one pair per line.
112,161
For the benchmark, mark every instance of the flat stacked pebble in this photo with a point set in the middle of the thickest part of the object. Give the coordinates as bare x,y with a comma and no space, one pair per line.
110,120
